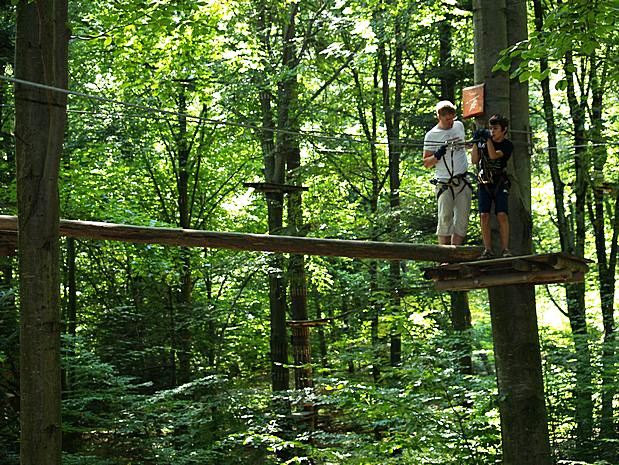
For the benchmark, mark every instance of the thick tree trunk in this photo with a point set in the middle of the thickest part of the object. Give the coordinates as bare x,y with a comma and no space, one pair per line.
524,425
40,117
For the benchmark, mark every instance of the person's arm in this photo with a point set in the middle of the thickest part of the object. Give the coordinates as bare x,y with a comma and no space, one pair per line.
475,154
492,152
429,160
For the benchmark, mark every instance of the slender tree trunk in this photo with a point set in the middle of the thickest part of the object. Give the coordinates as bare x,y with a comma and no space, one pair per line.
70,323
322,341
277,291
370,130
40,117
575,300
274,173
183,314
288,147
277,301
606,262
392,106
461,324
524,425
448,82
575,293
460,312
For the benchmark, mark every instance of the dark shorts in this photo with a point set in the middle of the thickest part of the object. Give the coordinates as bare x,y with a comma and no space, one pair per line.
488,193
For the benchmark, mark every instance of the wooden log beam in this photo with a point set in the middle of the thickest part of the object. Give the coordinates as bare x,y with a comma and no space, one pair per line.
255,242
533,277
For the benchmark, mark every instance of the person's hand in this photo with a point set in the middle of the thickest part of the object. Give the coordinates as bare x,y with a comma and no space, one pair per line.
442,150
481,134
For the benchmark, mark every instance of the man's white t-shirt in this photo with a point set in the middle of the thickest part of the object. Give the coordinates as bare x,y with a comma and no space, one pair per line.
454,162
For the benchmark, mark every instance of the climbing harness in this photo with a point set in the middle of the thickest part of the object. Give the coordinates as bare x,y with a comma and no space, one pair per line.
456,183
488,177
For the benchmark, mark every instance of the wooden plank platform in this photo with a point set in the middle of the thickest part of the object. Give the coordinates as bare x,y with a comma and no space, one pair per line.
526,269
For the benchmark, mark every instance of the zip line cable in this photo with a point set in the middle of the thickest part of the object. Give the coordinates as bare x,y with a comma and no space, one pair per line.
403,143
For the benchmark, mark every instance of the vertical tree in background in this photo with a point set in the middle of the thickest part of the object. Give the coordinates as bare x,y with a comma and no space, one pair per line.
460,312
570,243
524,425
274,172
41,54
289,148
390,53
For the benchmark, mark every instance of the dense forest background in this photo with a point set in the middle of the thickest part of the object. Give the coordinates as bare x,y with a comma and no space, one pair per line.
175,355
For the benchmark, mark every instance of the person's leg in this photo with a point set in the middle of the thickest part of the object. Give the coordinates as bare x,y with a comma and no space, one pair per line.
444,240
462,211
444,228
485,203
503,221
486,235
501,208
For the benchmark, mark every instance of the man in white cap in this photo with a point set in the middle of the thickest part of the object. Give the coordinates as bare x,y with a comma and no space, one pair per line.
444,149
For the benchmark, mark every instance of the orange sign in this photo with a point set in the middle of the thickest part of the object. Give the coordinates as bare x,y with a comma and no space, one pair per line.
473,101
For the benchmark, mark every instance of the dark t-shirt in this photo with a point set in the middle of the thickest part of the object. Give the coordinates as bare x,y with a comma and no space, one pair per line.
498,166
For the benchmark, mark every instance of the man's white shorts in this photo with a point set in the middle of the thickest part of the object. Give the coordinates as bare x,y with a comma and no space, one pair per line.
454,206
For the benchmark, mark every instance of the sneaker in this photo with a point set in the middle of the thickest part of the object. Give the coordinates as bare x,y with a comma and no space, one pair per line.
506,253
486,255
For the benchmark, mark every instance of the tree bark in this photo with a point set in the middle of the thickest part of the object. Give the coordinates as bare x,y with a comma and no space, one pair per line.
41,55
524,425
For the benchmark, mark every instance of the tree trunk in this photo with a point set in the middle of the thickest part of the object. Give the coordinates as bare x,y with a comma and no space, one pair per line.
289,150
322,341
524,425
370,131
575,293
575,299
274,173
40,117
183,313
448,82
392,105
461,324
606,264
70,316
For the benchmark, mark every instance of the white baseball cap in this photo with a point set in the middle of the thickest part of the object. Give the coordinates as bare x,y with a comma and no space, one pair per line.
445,104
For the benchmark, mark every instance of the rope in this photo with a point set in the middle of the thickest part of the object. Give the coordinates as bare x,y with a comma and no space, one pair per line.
348,138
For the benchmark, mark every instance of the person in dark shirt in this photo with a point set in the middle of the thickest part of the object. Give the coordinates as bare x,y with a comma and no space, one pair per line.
490,154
